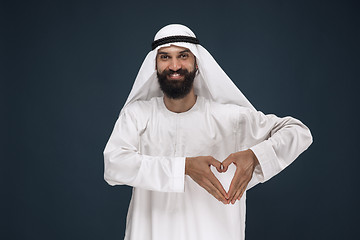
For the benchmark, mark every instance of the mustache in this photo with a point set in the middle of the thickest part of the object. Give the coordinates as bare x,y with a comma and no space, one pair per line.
180,71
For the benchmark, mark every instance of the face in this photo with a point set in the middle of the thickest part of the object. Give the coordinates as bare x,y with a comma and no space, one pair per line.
176,69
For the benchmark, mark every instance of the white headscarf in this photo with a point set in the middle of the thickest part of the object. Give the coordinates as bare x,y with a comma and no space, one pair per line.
210,82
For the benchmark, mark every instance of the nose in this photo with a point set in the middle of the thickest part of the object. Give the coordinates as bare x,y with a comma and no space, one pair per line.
175,64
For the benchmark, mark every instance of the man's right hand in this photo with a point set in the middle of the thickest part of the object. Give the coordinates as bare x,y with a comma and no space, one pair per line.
198,168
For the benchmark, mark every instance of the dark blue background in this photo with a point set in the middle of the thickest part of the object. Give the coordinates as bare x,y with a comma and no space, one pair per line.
67,68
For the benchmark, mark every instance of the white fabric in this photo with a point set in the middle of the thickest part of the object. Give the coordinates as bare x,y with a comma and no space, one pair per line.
211,81
147,150
148,146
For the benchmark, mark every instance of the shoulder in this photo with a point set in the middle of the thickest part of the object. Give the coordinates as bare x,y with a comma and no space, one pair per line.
140,111
233,112
141,106
226,114
228,109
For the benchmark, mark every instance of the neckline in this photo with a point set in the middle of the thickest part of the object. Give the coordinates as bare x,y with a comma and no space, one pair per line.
192,109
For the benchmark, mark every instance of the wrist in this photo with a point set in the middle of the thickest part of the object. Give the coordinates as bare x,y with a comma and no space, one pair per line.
187,163
253,156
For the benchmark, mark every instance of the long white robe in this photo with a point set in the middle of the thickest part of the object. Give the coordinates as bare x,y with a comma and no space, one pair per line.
147,150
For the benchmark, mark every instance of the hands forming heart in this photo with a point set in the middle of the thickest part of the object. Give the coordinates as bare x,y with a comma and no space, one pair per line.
198,168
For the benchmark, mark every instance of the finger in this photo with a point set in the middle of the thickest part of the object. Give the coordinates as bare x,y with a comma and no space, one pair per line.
222,168
241,194
226,163
216,164
210,191
233,200
234,185
218,185
214,191
243,189
238,194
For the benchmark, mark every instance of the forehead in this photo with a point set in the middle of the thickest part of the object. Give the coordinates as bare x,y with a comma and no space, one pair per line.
173,49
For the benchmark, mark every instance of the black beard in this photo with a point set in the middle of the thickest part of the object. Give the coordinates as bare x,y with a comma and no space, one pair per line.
176,89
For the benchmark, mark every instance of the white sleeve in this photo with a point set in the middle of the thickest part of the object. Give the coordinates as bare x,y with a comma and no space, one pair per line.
124,165
278,142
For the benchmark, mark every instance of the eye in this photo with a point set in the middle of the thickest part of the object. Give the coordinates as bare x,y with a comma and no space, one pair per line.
184,56
164,57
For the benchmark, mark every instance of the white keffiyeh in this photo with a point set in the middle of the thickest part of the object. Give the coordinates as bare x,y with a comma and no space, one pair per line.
210,82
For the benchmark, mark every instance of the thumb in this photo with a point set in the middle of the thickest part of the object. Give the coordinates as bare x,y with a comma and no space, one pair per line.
216,164
226,163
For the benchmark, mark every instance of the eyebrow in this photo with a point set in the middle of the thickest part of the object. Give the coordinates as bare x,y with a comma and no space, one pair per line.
184,51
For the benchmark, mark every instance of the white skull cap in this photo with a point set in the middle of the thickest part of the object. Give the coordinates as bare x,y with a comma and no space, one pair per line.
174,30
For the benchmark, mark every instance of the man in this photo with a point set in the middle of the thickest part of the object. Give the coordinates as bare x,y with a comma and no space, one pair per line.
191,144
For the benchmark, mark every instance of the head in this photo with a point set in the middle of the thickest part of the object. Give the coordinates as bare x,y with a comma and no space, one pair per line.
211,81
176,69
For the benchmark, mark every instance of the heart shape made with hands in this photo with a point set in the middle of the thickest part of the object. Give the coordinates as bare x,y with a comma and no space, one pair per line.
198,169
245,162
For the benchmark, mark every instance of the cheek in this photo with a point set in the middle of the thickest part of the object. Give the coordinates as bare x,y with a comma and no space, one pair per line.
160,67
191,65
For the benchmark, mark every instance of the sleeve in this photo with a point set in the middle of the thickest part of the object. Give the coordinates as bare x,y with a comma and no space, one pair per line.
277,143
124,165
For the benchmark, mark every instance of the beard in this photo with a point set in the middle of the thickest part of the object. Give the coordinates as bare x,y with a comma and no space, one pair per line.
176,89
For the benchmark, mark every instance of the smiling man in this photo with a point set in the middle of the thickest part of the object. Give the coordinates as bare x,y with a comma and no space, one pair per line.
176,70
191,144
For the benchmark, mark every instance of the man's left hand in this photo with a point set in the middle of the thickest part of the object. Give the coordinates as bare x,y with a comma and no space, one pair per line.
245,162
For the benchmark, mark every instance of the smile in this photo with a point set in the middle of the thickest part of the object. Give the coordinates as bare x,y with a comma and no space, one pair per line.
175,76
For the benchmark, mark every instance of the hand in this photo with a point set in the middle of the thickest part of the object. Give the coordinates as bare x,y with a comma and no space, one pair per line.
198,168
245,162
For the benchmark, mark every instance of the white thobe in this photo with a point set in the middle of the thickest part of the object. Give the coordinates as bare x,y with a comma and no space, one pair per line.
147,150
